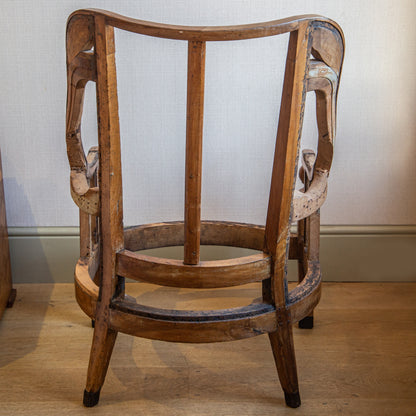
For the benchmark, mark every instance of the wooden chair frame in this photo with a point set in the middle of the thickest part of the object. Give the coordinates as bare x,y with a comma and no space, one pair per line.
108,251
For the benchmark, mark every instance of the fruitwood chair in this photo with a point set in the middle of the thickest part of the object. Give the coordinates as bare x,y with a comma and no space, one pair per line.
108,252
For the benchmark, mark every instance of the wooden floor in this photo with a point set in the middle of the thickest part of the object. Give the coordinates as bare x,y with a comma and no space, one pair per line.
360,359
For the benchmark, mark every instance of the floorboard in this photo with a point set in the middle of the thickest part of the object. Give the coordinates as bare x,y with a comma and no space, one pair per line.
360,359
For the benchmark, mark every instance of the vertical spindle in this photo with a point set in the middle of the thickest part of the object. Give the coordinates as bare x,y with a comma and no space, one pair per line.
193,164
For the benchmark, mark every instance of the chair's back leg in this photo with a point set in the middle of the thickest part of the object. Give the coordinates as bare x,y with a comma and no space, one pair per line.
278,215
284,357
111,220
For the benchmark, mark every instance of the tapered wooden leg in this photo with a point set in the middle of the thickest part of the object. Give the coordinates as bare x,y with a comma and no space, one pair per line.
101,349
284,357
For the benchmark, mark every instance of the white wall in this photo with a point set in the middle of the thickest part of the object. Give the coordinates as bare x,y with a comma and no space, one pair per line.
373,179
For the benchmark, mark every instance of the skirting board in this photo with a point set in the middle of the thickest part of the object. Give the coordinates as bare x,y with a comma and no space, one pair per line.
348,254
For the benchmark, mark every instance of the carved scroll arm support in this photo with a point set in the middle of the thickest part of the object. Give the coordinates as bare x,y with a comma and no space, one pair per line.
80,70
324,81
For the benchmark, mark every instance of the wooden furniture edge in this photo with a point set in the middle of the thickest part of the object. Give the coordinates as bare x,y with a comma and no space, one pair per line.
203,33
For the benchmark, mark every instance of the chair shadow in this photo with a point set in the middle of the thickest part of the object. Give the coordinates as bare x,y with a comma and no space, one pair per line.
20,314
178,366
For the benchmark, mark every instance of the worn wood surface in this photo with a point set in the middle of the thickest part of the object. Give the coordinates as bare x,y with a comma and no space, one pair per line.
358,360
193,161
207,274
7,293
111,202
223,233
81,68
217,233
209,33
193,326
301,301
277,233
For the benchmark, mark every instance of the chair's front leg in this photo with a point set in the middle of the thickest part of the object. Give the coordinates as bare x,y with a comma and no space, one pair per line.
101,349
284,357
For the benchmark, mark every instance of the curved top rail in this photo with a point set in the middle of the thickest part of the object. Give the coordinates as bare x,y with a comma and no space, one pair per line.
204,33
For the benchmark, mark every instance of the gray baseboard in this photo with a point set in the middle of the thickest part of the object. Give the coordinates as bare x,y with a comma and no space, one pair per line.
348,254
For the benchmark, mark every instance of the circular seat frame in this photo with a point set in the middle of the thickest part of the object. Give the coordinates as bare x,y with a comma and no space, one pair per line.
174,325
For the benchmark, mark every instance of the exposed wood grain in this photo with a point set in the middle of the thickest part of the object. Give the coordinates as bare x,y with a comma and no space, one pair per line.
324,81
217,330
81,69
193,163
79,35
306,203
207,274
111,219
323,78
209,33
84,234
328,45
84,196
218,233
87,222
277,234
305,296
301,300
288,134
221,233
86,291
308,244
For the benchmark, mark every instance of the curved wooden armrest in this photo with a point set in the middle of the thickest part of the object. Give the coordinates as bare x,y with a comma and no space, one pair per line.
311,198
306,203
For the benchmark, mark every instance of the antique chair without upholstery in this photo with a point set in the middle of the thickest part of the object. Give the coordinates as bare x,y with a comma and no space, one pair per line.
109,252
